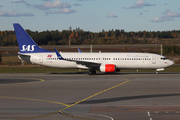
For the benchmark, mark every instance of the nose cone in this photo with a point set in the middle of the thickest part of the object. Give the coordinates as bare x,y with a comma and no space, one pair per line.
171,62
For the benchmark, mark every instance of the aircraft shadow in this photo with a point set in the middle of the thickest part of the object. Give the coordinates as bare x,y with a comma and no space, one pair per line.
126,98
70,73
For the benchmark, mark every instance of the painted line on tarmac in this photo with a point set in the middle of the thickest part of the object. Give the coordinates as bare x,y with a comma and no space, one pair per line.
61,111
149,115
39,80
39,116
102,116
96,94
72,116
68,106
35,100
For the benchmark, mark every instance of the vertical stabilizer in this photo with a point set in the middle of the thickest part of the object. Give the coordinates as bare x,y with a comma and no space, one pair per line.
25,42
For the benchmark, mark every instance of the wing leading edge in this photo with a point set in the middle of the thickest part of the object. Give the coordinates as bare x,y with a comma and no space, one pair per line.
91,65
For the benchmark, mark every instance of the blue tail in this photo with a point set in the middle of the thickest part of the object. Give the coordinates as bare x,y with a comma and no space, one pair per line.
25,42
58,55
79,50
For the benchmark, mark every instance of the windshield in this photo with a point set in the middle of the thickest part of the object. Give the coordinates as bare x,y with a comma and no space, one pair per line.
163,58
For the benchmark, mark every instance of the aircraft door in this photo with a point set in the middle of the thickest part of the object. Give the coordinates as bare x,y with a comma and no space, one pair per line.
154,60
40,59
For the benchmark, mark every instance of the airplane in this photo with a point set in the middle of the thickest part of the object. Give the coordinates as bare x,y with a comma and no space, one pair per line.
105,62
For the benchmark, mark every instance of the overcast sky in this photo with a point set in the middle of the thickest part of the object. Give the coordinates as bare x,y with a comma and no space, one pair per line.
91,15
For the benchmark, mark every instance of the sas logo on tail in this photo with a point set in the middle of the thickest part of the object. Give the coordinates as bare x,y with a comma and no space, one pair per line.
28,47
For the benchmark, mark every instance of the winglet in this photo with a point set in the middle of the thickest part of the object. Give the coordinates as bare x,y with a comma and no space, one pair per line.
79,50
58,55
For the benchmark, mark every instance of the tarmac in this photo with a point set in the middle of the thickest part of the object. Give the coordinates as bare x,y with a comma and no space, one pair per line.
119,96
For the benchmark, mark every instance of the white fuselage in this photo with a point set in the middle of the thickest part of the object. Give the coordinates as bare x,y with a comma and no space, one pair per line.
121,60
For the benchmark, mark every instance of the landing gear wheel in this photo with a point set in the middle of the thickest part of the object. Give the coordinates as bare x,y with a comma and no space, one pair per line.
92,72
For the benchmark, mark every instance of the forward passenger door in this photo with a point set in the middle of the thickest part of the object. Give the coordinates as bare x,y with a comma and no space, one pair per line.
153,59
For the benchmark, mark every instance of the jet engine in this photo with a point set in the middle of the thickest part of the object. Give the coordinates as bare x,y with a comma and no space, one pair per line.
108,68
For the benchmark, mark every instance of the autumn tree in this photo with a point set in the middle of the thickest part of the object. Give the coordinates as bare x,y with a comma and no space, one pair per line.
78,37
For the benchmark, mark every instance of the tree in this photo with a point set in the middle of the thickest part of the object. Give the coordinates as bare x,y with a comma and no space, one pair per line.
0,58
122,37
178,35
78,37
125,49
144,34
52,43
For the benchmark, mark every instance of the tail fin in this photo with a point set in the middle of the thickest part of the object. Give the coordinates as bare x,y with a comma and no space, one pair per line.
25,42
79,50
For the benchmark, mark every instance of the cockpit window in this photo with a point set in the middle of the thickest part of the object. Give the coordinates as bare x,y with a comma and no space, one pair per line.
163,58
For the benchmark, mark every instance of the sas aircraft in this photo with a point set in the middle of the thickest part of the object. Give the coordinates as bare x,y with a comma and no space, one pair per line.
103,62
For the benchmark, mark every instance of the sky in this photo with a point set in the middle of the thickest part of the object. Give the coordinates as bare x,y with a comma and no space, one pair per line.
91,15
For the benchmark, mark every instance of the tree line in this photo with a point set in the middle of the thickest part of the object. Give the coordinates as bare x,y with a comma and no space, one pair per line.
80,37
171,50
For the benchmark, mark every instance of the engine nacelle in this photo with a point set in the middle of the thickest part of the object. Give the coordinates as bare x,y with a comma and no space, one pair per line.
108,68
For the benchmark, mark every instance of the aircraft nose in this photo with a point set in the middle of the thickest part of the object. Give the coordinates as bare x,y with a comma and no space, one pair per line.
171,62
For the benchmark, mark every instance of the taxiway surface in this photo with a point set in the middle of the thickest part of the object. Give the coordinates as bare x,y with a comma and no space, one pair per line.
124,96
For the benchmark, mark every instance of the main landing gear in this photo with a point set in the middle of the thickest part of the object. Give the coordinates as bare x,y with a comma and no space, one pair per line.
157,72
92,72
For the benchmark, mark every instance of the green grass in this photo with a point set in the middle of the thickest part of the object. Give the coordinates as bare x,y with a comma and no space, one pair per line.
174,68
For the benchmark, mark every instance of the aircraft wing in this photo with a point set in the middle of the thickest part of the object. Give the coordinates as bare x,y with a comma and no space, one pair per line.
87,64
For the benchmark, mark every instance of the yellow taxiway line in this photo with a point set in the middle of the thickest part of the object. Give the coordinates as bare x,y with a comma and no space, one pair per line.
35,100
67,106
39,80
95,95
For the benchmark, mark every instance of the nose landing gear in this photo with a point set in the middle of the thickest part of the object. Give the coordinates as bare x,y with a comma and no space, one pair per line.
157,72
